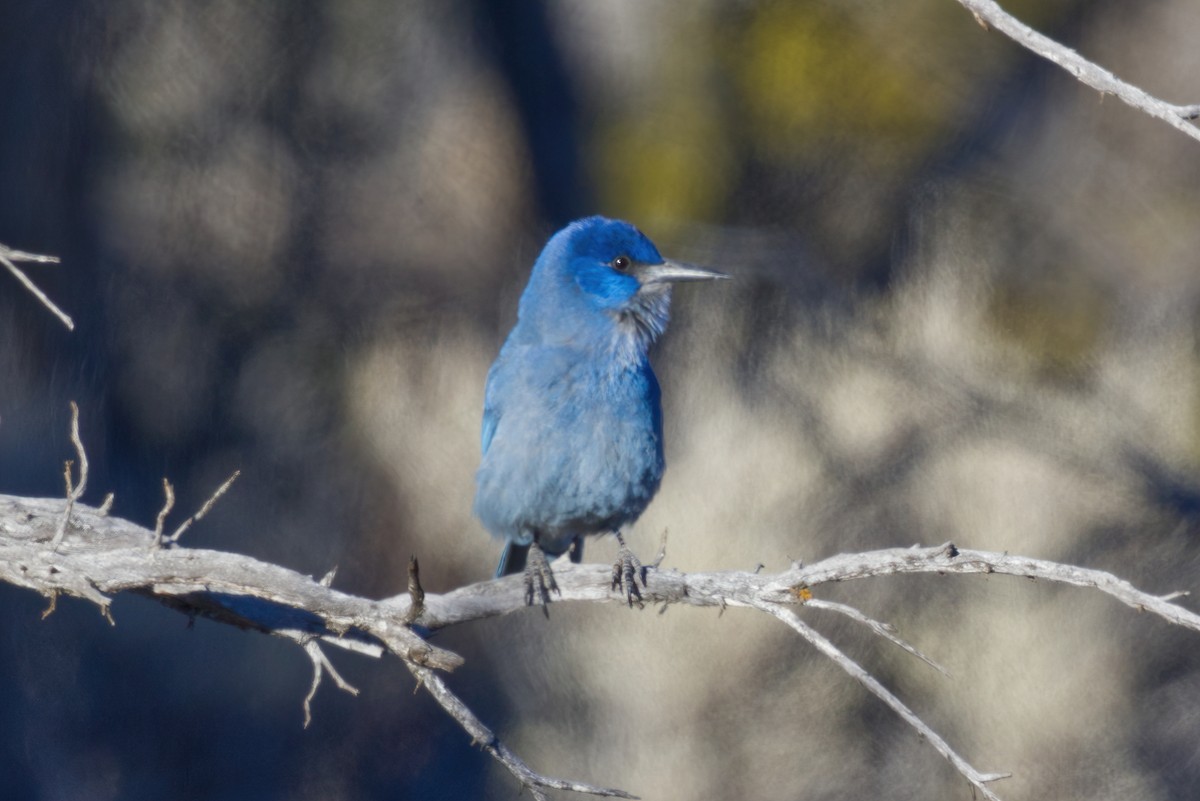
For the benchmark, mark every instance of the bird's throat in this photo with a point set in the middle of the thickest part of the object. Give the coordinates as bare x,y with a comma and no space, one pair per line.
641,322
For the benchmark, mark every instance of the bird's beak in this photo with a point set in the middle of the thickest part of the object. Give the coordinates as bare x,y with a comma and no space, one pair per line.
672,271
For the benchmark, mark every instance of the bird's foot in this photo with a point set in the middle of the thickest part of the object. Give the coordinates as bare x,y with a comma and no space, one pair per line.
539,579
626,571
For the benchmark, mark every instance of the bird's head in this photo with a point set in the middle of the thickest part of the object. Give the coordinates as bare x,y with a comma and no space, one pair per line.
609,271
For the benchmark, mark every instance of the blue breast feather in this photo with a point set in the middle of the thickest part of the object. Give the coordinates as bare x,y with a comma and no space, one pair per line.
572,444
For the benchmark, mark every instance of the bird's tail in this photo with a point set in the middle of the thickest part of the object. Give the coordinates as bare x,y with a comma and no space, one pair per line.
512,559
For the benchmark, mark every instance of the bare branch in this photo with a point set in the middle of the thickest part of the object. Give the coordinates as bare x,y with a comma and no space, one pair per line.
587,583
949,559
8,256
106,554
979,780
321,664
990,15
885,630
186,524
529,778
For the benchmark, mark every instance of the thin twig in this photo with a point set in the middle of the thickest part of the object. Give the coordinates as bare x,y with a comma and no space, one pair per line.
169,492
74,493
20,255
662,551
416,592
320,664
78,443
979,780
885,630
990,15
52,605
186,524
8,256
481,734
66,515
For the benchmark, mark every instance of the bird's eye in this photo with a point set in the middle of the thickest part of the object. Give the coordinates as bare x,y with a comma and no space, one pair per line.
621,263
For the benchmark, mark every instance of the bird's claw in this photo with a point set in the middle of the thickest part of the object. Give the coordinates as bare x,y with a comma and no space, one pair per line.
626,571
539,577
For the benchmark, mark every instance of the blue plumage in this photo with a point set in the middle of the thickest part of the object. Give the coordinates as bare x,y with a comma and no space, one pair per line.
572,420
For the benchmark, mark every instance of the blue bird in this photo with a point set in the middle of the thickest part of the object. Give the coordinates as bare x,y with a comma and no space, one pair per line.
572,420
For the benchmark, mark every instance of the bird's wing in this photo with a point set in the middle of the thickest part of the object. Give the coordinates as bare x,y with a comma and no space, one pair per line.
491,406
521,375
490,418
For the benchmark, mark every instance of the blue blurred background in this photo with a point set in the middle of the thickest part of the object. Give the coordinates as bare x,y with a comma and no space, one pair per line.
293,235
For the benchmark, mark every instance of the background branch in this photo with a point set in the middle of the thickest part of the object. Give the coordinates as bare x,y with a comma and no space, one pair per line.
990,15
8,256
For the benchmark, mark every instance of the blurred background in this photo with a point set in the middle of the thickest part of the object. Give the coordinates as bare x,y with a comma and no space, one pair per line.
293,236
